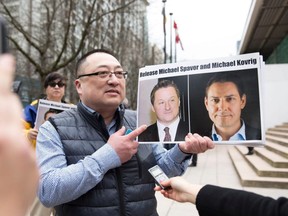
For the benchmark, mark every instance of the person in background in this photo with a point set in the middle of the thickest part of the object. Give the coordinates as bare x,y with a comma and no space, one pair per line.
90,162
225,99
212,200
54,85
37,209
18,169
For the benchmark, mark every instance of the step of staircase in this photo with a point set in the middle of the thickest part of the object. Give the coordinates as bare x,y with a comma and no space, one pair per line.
277,148
283,125
279,129
247,174
276,139
261,166
274,159
279,134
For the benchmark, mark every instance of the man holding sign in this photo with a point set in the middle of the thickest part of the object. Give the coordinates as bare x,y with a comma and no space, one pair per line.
88,165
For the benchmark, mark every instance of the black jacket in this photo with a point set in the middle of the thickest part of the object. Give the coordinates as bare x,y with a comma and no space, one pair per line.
218,201
252,133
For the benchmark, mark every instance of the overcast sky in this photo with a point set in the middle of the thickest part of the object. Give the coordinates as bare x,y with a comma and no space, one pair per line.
207,28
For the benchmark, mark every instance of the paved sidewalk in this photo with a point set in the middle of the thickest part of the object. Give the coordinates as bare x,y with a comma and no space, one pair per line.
213,167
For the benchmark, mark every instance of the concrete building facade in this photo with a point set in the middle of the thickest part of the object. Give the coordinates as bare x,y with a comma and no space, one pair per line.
266,32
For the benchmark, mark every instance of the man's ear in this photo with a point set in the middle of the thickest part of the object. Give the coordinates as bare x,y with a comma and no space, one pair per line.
152,108
78,86
243,101
206,103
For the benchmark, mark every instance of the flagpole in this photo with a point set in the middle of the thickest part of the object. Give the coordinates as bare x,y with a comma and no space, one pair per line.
175,54
164,30
171,37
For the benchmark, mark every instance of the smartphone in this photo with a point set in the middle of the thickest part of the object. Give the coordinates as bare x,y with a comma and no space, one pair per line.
3,36
158,175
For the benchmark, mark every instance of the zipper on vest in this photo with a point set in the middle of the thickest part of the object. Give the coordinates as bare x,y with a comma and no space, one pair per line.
139,166
121,194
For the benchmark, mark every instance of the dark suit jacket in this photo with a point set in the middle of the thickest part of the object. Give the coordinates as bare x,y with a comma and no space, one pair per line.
151,133
252,133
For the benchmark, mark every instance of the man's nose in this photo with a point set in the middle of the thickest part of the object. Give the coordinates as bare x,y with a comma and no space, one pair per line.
222,104
167,106
113,79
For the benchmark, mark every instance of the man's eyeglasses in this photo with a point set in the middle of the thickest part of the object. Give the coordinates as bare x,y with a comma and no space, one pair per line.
105,74
60,84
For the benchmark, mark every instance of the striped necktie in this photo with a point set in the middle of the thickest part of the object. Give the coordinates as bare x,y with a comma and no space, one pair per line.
167,134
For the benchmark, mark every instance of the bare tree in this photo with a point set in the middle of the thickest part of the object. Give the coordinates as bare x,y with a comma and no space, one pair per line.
52,38
51,34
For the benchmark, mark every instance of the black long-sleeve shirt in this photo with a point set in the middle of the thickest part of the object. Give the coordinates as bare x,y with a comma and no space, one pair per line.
218,201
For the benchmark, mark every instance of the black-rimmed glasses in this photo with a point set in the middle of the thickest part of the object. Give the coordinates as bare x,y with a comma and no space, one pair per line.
105,74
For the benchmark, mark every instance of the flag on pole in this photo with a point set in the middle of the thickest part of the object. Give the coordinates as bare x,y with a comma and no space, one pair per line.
177,37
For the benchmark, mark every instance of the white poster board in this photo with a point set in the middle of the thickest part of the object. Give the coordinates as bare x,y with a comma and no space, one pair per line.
45,107
192,78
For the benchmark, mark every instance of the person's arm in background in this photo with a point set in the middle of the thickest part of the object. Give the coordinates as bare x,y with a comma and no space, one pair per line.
214,200
28,122
31,135
18,170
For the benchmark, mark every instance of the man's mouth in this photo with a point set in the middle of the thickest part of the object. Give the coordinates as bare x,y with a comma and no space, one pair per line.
113,91
223,115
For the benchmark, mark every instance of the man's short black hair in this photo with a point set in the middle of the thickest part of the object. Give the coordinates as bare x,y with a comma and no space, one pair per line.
52,77
222,77
51,110
83,58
